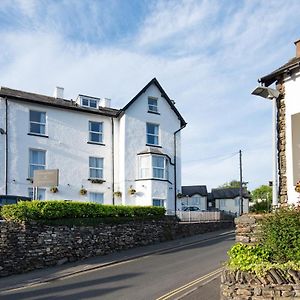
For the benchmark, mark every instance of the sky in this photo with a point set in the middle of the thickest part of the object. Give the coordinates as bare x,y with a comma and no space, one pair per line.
207,55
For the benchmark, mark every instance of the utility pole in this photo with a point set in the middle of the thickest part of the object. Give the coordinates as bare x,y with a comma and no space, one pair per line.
241,185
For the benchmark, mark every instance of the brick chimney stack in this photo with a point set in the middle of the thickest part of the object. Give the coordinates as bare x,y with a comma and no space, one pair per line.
297,44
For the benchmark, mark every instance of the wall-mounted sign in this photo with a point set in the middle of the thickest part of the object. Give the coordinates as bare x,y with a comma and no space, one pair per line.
43,178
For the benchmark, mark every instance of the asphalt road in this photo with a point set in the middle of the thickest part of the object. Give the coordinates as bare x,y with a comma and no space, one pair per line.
148,277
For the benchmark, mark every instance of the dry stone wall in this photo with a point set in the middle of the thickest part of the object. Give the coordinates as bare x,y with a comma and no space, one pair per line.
275,285
29,246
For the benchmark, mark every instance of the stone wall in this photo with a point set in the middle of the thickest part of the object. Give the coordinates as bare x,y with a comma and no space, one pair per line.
276,284
25,247
281,143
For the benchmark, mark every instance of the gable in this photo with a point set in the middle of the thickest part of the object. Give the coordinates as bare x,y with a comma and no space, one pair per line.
161,94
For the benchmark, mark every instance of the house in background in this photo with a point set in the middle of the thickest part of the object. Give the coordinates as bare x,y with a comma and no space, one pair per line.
116,156
228,199
287,81
193,196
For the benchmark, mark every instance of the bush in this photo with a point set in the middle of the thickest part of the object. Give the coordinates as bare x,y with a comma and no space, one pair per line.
281,235
279,245
57,209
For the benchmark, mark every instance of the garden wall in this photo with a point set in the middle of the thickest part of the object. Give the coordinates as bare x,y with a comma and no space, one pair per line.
29,246
276,284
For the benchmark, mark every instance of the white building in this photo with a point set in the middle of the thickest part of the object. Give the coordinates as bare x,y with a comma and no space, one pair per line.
129,156
193,196
287,81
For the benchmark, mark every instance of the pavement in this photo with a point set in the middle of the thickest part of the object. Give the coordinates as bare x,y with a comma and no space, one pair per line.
69,269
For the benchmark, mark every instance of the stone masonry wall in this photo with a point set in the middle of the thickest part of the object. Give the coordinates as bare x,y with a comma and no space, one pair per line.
239,285
281,146
25,247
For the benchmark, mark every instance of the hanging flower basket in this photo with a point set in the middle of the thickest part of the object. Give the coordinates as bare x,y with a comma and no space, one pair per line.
82,191
54,189
179,195
118,194
131,191
297,187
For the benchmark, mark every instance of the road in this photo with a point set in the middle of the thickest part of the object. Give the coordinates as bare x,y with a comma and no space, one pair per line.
149,277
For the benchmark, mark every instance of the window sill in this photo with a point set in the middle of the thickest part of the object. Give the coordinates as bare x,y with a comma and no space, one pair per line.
37,134
156,179
95,143
152,145
153,112
95,180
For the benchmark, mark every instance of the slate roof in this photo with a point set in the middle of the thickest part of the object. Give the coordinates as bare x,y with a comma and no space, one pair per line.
228,193
52,101
191,190
273,76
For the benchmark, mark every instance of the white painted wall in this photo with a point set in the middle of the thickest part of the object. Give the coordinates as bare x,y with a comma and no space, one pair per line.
133,141
232,205
292,102
193,201
66,149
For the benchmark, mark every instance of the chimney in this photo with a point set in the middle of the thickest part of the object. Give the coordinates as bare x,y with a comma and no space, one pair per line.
59,92
297,44
105,102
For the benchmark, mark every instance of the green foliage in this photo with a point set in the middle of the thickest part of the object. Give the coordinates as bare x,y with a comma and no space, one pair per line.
262,198
56,209
261,207
247,257
233,184
279,245
281,235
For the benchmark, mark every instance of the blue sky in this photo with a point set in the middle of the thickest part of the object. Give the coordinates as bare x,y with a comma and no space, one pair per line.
207,55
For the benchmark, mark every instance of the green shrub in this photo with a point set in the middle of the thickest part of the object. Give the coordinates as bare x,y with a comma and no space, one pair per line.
58,209
281,235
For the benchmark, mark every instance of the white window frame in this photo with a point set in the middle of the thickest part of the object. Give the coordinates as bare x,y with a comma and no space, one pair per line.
41,193
146,171
152,134
95,201
101,169
100,133
33,164
162,202
153,107
89,102
38,123
158,168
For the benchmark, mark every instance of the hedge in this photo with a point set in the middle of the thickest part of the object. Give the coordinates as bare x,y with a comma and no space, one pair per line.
59,209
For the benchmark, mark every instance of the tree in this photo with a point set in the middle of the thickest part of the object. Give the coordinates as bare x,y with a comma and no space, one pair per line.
262,198
233,184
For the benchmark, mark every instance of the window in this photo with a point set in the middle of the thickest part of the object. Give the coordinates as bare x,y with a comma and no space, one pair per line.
152,105
96,167
96,197
158,202
158,165
153,166
152,134
37,120
37,161
89,102
222,203
195,200
41,194
95,132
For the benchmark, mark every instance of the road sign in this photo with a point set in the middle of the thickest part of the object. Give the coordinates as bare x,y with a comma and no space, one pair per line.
44,178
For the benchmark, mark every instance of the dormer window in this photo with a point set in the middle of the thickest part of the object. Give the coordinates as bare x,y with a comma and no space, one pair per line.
89,102
152,105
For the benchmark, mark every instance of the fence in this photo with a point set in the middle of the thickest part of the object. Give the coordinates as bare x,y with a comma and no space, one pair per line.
205,216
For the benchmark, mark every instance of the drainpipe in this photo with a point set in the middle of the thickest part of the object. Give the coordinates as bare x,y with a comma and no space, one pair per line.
175,164
6,147
113,160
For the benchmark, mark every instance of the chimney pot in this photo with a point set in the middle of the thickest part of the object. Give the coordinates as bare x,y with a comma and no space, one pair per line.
59,92
297,44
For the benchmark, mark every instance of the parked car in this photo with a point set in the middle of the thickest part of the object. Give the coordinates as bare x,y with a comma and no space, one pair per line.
12,199
191,208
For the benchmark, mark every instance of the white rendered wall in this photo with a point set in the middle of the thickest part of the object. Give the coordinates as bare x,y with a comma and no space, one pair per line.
230,205
188,201
292,102
2,147
133,138
66,149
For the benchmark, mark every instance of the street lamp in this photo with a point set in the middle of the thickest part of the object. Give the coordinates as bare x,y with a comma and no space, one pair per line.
271,94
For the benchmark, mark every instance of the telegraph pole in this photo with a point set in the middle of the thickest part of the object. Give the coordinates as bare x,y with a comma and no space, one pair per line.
241,184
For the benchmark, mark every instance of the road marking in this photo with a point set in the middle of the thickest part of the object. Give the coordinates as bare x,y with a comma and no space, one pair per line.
190,284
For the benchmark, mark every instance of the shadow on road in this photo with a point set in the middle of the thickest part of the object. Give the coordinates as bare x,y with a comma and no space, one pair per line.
82,290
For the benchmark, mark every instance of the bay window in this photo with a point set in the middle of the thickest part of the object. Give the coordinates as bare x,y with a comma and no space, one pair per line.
153,166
